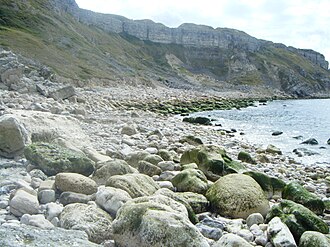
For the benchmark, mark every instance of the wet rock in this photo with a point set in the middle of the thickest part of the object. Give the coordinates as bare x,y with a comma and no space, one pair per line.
273,150
111,199
53,159
301,152
75,182
88,218
192,140
246,157
198,120
155,221
298,218
111,168
231,240
297,193
328,142
192,180
23,203
277,133
313,239
135,185
237,196
280,234
13,136
311,141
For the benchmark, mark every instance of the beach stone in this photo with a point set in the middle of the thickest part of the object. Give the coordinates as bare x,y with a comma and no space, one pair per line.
72,197
277,133
246,157
149,169
111,168
246,234
272,186
88,218
255,218
111,199
298,218
192,140
297,193
301,152
166,184
37,173
46,196
313,239
153,159
37,221
24,235
96,156
165,154
273,150
53,159
136,185
13,136
197,120
129,129
212,161
209,232
166,165
311,141
133,158
280,234
328,142
192,180
231,240
155,221
237,196
23,203
75,182
47,185
198,202
53,210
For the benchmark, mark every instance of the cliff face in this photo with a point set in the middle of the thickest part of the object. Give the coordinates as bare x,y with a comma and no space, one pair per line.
93,45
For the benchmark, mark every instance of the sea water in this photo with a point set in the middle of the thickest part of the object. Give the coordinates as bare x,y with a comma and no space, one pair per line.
299,120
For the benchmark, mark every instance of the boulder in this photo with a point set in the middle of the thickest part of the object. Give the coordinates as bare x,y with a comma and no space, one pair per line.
46,196
56,91
297,193
72,197
111,199
153,159
198,202
133,158
246,157
280,234
37,221
313,239
192,140
237,196
23,203
328,142
192,180
75,182
129,129
111,168
88,218
197,120
149,169
272,186
273,150
13,136
277,133
310,141
212,161
53,159
255,218
155,221
136,185
301,152
231,240
298,218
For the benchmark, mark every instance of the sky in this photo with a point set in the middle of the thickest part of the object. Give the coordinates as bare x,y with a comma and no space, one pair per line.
299,23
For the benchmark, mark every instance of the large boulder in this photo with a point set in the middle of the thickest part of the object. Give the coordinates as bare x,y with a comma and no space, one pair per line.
297,193
192,180
13,136
136,185
272,186
111,199
280,234
75,182
298,218
111,168
237,196
212,161
24,203
53,159
313,239
155,221
88,218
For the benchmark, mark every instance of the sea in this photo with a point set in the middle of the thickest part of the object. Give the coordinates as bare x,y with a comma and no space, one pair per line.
299,120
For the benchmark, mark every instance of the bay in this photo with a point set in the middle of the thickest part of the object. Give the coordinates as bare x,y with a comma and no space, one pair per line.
302,119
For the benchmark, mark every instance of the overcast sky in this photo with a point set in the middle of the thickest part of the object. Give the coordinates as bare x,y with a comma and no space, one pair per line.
298,23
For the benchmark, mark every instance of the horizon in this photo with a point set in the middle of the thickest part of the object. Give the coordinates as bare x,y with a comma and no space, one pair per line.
293,24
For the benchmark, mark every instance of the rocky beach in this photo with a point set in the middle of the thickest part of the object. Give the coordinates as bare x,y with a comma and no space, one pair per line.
118,166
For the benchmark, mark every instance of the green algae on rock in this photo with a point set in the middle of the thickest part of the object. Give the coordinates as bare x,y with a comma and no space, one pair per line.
53,159
192,180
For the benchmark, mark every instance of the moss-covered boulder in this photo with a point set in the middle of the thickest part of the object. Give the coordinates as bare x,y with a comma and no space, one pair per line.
298,218
53,159
313,239
192,180
198,202
212,161
297,193
272,186
136,185
155,221
246,157
237,196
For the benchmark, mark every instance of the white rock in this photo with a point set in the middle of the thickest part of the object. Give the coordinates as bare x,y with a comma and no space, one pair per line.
280,234
53,210
23,203
37,221
255,218
231,240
